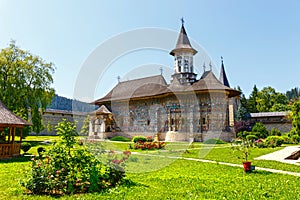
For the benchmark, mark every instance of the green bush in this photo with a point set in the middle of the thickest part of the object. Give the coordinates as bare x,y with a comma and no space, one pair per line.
286,139
120,138
260,130
68,168
40,150
25,146
260,144
295,139
136,139
275,132
214,141
251,137
243,134
274,141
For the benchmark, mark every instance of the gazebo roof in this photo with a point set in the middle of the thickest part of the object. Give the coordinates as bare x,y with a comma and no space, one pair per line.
8,118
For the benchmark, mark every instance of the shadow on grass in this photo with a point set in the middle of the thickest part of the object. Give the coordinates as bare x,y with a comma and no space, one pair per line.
260,172
20,158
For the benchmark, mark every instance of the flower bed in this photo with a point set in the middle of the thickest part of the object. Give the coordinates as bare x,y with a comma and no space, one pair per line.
149,145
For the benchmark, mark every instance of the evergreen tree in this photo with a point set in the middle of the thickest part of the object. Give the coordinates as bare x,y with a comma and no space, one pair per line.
251,104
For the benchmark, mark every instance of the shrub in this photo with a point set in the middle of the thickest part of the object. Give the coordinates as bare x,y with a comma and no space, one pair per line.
295,139
274,141
136,139
286,139
243,134
68,167
251,137
241,126
150,139
149,145
120,138
260,144
25,146
275,132
260,130
214,141
40,150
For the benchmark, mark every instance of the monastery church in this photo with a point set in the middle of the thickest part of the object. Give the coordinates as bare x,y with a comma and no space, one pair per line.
187,109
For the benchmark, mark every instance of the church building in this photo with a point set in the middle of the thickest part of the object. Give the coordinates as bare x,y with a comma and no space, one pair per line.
187,109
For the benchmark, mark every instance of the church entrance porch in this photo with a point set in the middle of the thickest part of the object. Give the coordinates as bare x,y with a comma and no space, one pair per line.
101,121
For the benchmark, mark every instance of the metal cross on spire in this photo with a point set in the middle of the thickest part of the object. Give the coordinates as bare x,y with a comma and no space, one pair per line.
161,70
118,79
182,21
210,66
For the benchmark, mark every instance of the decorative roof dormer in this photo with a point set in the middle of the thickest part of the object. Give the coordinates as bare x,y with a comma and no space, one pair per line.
183,61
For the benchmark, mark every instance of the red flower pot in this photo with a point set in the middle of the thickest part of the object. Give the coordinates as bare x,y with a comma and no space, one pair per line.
247,166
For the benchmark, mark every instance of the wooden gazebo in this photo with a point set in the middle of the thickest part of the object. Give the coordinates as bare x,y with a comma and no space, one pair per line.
9,148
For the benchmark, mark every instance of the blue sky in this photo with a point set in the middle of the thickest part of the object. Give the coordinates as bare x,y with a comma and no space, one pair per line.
259,40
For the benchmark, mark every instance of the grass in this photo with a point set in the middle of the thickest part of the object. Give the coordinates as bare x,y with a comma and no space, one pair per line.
153,177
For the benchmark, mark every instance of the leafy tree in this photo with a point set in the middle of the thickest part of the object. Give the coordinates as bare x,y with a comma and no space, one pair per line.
267,98
251,104
25,84
280,107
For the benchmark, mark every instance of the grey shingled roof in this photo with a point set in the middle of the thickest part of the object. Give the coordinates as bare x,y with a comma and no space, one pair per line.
8,118
156,85
209,82
143,87
183,42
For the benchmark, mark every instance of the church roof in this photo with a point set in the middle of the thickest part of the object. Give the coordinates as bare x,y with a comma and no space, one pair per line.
102,110
223,78
8,118
156,85
183,42
209,82
137,88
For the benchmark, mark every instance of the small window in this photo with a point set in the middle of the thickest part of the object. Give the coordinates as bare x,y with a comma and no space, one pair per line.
203,120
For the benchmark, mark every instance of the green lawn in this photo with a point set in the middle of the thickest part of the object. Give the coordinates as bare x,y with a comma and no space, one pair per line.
154,177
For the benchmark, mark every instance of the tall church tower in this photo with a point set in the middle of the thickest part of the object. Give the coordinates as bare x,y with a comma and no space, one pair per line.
183,64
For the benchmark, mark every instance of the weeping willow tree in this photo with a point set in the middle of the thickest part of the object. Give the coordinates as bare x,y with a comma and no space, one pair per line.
25,84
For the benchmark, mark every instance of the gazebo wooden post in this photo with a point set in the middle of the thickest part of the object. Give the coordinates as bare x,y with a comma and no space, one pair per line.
9,133
13,141
21,135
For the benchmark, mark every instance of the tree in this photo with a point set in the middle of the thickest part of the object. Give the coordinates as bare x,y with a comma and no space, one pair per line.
242,113
243,99
25,84
293,94
268,100
295,114
251,104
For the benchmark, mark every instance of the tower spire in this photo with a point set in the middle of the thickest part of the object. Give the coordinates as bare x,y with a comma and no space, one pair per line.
223,78
183,58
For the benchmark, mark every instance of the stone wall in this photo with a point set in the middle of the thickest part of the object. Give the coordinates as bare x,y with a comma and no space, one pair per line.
52,118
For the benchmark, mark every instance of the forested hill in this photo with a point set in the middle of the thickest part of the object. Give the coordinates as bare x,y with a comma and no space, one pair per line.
63,103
